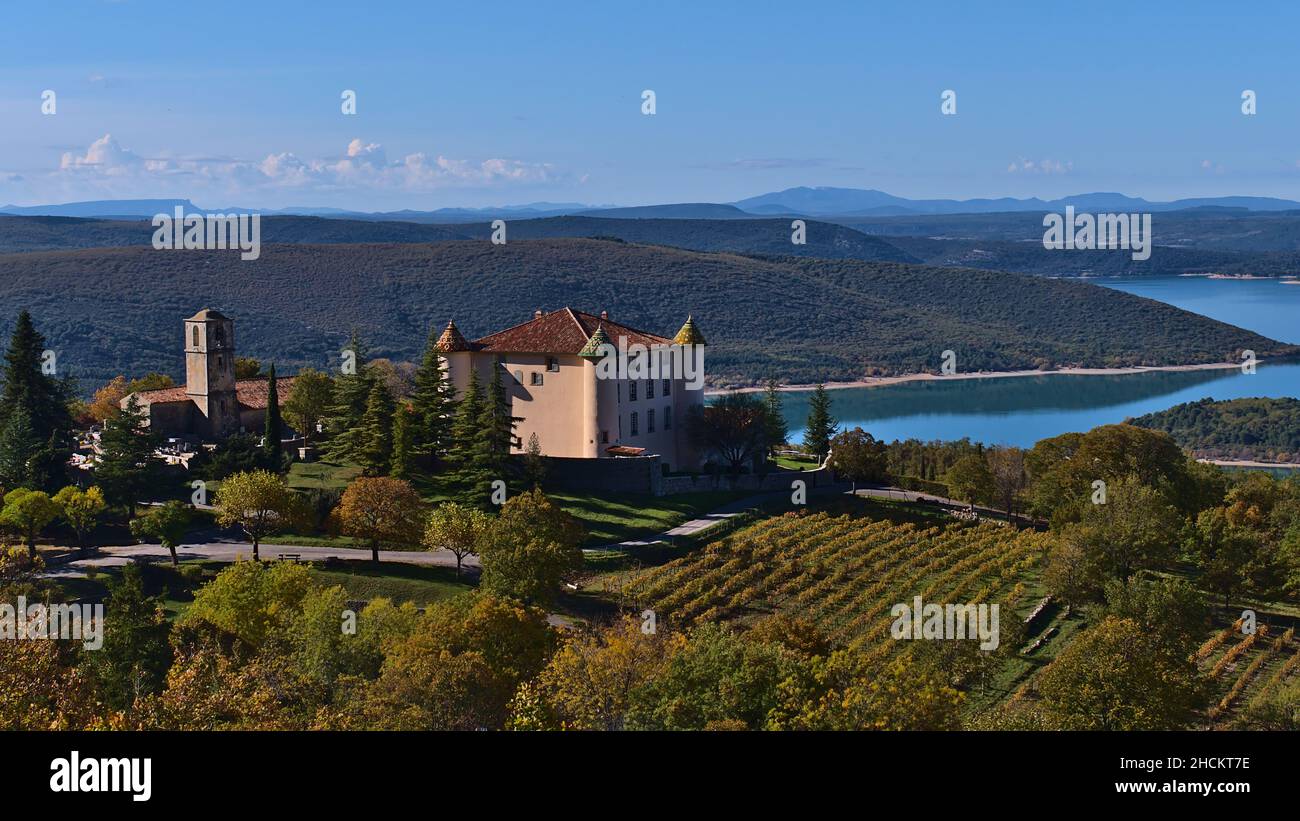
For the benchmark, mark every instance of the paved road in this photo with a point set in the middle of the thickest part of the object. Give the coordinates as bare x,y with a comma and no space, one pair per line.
230,551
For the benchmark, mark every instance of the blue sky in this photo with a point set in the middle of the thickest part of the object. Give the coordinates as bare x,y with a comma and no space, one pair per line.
487,104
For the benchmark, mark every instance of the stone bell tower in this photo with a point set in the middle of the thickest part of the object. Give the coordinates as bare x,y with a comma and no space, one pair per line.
210,373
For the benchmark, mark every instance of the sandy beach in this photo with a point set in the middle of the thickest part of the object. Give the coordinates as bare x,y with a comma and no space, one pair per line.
881,381
1248,463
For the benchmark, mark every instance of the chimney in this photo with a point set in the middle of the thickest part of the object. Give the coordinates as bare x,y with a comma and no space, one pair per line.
537,314
604,314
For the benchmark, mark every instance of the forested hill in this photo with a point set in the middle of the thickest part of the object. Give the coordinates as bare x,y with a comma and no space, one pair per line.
1266,430
110,311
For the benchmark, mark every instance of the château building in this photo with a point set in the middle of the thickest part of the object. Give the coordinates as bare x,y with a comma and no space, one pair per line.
556,390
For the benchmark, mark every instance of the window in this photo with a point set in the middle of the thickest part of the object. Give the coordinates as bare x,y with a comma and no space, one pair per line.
668,417
196,336
535,378
604,437
668,388
631,391
649,389
552,364
634,424
650,420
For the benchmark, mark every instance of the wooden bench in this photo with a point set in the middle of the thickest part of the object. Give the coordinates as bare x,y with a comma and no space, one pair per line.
290,557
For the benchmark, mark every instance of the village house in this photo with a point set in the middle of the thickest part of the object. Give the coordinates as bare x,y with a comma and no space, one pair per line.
556,392
212,404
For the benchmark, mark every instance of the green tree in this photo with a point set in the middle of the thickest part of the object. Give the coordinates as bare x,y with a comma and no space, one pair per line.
132,663
821,425
28,512
458,529
471,460
534,462
375,430
274,428
403,461
167,523
970,480
433,401
496,432
1120,676
778,431
858,457
1134,529
251,600
125,464
18,448
27,387
1224,552
258,502
532,547
81,509
309,401
351,396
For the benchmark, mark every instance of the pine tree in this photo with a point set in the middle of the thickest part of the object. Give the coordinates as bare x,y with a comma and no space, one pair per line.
42,397
434,403
471,452
375,430
18,444
821,425
778,432
126,459
274,430
497,426
351,395
405,421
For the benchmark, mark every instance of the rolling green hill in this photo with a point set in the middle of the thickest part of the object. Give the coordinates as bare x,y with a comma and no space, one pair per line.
1266,430
119,310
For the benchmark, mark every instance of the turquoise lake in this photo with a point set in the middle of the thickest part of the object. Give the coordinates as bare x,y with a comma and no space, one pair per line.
1021,410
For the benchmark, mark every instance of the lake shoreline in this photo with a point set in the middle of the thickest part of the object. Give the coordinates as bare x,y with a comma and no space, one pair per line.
1250,463
883,381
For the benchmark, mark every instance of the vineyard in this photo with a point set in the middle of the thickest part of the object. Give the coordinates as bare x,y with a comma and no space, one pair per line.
842,573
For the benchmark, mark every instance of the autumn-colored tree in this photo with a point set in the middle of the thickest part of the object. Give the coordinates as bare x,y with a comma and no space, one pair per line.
251,600
108,399
378,510
81,509
258,502
28,512
167,523
588,684
458,529
839,692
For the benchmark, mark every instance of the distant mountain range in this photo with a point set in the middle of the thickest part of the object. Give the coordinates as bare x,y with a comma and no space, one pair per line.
805,201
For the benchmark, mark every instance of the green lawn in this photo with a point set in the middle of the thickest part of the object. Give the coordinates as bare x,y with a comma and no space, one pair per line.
393,580
321,475
615,517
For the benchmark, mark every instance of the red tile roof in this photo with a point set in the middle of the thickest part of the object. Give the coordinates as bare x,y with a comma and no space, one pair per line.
251,393
565,331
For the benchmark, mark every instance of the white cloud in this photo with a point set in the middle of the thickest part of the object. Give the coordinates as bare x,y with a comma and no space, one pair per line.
362,166
1049,166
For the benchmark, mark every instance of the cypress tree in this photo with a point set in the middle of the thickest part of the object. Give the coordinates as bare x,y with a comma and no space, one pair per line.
405,421
497,426
821,425
375,430
351,395
274,430
778,432
433,402
18,444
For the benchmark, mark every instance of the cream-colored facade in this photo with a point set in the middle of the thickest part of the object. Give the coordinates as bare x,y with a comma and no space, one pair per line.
562,397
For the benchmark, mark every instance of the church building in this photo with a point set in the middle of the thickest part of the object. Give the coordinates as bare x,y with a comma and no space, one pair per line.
212,404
